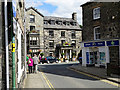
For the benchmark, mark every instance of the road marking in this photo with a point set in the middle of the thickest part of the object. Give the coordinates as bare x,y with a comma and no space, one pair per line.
109,82
47,81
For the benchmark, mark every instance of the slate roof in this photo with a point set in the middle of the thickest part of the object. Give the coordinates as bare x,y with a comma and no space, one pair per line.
56,26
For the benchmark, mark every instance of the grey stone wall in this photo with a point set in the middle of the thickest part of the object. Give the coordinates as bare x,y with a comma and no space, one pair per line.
108,22
38,26
57,39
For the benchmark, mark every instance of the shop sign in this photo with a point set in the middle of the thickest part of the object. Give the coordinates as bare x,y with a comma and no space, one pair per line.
113,43
91,44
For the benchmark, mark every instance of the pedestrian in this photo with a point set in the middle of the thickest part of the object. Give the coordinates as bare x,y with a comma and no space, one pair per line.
27,58
30,64
35,63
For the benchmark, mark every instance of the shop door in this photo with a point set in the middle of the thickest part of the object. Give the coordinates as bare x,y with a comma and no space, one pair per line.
93,57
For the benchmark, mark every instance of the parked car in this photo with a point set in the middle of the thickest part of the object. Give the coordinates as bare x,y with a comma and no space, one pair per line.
80,60
52,59
44,60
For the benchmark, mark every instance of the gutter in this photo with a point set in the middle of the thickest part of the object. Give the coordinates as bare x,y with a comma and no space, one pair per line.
6,45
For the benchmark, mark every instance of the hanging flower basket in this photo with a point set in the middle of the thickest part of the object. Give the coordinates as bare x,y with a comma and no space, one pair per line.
39,50
30,50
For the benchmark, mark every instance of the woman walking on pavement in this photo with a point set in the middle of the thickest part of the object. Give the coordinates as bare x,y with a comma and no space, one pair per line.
30,64
35,61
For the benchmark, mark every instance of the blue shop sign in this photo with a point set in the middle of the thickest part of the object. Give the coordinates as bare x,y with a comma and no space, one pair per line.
96,44
113,43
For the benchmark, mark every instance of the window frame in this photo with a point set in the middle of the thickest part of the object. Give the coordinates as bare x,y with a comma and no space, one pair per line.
32,29
73,35
62,34
51,41
96,14
51,34
98,33
32,20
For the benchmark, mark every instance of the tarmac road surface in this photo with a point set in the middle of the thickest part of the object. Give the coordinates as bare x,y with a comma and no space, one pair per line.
59,76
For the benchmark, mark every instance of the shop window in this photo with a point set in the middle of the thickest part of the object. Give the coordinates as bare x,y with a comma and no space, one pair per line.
97,33
51,33
51,44
96,13
32,18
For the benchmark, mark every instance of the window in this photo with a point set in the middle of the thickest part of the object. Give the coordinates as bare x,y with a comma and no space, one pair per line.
51,33
73,34
96,13
73,23
59,22
52,22
51,53
34,41
46,22
73,43
62,33
68,23
51,44
32,18
62,42
97,33
32,28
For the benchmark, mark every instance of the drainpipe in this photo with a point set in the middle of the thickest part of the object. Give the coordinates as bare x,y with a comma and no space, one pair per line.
13,62
6,45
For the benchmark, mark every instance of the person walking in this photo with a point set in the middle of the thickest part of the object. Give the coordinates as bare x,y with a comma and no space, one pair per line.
35,63
30,64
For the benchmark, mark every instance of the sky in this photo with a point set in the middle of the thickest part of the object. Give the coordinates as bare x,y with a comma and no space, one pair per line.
58,8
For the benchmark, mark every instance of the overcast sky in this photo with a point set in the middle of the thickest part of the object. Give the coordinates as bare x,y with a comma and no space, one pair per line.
58,8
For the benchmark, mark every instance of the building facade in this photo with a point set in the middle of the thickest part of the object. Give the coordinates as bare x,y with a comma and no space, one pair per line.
101,34
62,36
34,27
56,35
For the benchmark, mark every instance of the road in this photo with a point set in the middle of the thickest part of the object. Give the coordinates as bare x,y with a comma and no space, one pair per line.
59,76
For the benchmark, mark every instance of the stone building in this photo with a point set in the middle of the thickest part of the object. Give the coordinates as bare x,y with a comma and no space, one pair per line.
2,48
101,33
49,34
34,27
62,35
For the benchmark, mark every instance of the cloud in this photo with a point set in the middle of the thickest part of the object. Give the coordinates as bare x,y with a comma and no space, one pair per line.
65,8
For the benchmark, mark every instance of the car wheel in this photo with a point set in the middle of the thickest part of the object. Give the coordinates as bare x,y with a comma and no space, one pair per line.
48,62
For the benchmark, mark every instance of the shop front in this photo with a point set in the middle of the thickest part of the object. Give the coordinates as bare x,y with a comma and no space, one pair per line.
100,53
94,54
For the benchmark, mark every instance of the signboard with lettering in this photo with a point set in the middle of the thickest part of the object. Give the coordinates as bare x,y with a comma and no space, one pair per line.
113,43
92,44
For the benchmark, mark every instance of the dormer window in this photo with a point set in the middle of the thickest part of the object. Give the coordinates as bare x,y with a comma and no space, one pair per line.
73,23
64,22
67,23
46,22
52,22
59,22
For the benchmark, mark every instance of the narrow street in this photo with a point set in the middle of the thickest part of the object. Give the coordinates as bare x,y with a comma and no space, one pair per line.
59,76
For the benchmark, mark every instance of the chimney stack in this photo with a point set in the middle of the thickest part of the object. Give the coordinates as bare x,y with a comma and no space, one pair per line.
74,16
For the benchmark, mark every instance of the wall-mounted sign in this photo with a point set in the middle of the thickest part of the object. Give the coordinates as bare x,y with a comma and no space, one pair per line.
113,43
91,44
14,7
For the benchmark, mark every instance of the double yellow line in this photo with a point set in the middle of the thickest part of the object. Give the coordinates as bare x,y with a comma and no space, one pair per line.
47,81
103,80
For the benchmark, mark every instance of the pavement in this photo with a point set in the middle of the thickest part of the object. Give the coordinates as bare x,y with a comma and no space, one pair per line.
34,80
96,71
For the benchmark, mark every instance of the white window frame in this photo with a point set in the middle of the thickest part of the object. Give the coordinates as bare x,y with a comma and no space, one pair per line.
95,38
96,13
